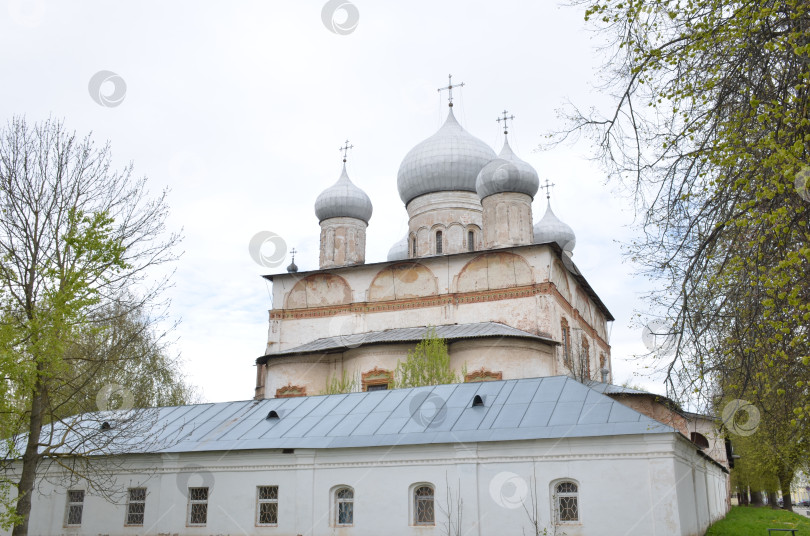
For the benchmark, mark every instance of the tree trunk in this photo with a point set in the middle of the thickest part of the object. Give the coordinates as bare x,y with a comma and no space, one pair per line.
742,496
773,500
756,498
30,460
785,480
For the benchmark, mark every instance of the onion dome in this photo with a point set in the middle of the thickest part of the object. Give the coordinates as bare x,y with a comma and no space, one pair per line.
507,173
551,229
448,160
343,200
399,251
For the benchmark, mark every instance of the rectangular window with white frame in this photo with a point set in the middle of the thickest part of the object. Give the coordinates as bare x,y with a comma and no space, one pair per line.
267,506
197,507
74,508
136,507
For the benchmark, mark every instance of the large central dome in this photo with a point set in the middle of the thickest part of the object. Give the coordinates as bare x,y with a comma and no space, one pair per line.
448,160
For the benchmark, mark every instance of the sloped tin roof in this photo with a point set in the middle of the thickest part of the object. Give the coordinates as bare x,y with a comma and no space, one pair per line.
448,331
532,408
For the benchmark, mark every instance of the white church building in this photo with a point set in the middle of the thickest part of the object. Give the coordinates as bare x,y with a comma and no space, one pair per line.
533,437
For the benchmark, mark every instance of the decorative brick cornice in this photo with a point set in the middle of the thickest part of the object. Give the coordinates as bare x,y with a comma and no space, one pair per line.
414,303
454,298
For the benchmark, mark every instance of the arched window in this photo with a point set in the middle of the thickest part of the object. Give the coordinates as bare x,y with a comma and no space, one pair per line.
566,502
423,511
413,247
470,241
344,507
438,242
566,343
699,440
586,358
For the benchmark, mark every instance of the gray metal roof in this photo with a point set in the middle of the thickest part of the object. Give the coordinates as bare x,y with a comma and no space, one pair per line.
448,160
551,229
399,251
343,200
340,343
507,173
532,408
610,389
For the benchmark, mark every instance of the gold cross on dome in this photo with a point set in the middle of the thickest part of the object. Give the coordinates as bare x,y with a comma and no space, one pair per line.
505,118
449,89
548,188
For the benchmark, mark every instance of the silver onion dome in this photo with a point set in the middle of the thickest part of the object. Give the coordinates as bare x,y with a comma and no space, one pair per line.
343,200
448,160
507,173
399,251
551,229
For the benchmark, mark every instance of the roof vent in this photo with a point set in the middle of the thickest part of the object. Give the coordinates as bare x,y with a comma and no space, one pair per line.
478,401
105,426
272,415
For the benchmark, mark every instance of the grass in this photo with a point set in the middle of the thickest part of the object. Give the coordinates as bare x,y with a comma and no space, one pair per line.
748,521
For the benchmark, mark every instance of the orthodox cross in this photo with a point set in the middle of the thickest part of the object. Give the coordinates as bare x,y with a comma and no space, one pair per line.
505,118
548,188
293,252
345,149
449,89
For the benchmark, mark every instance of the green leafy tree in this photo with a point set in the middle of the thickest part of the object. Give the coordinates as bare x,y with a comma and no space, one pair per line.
80,247
427,364
345,383
710,134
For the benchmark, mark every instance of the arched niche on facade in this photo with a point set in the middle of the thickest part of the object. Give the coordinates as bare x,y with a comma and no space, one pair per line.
403,280
319,290
493,271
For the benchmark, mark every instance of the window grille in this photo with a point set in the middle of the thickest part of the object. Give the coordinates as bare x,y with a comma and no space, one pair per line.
197,506
344,506
136,506
423,509
74,508
438,243
470,241
567,498
267,505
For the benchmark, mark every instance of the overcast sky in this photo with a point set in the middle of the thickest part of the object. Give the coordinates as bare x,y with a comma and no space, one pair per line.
240,108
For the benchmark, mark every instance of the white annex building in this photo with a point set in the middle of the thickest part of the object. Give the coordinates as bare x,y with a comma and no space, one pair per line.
535,437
